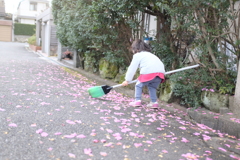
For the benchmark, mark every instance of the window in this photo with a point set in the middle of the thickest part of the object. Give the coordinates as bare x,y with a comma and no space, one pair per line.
33,6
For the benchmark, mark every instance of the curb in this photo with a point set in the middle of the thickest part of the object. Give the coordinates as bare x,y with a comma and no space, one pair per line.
225,123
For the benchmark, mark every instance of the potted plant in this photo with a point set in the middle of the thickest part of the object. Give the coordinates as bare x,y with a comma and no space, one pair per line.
32,43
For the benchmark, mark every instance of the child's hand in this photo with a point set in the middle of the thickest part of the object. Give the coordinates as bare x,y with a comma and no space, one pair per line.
125,83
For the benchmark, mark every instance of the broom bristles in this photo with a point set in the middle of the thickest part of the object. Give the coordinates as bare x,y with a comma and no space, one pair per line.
96,91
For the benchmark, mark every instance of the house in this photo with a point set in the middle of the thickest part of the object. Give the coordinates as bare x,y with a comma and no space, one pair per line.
46,37
28,10
6,31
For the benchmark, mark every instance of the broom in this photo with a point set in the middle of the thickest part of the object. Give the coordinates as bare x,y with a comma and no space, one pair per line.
99,91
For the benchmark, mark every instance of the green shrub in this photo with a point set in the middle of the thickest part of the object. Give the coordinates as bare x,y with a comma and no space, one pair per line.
32,40
24,29
188,86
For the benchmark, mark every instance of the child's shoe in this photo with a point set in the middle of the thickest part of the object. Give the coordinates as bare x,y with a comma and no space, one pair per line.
153,105
135,103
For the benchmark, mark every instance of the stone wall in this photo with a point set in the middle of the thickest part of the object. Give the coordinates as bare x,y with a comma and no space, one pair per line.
21,38
211,100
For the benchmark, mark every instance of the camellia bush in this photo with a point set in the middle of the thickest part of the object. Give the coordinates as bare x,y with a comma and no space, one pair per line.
206,31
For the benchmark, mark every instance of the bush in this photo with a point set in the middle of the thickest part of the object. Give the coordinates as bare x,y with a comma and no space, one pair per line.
24,29
32,40
188,86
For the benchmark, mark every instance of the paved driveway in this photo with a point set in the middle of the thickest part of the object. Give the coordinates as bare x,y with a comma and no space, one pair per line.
47,114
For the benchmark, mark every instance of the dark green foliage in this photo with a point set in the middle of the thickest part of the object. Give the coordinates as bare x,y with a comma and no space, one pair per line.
24,29
189,85
164,52
185,28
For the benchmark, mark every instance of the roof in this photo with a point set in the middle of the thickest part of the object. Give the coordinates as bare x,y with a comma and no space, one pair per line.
40,1
5,23
26,17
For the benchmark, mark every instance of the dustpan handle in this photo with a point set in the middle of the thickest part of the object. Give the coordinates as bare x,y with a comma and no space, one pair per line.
119,85
169,72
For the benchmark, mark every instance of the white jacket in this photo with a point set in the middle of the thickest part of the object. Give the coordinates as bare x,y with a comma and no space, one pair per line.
147,62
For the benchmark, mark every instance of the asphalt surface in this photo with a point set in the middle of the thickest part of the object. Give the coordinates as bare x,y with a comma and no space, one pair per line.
47,114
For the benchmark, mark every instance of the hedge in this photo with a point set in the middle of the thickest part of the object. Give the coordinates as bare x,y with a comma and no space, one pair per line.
24,29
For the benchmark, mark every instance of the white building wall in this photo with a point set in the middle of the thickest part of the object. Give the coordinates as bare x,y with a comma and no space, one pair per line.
152,26
24,10
27,21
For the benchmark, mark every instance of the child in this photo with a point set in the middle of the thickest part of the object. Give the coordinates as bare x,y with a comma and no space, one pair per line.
152,72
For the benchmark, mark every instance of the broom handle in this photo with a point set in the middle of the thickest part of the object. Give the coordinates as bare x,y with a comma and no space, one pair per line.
169,72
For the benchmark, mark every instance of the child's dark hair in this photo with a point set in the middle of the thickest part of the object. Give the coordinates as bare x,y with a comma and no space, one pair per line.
139,45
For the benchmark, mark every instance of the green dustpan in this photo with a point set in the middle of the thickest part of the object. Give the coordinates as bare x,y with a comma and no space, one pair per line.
99,91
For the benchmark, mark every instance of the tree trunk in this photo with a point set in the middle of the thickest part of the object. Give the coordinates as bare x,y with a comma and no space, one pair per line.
204,33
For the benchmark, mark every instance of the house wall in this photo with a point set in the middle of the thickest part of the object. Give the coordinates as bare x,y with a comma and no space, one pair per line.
24,11
27,21
153,26
5,30
24,8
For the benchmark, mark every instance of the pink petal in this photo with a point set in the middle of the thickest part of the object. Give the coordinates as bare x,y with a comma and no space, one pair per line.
57,133
33,125
93,134
87,151
95,141
103,154
44,134
149,142
109,130
183,128
108,144
137,144
70,122
125,130
71,135
164,151
184,140
12,125
71,155
39,131
222,149
81,136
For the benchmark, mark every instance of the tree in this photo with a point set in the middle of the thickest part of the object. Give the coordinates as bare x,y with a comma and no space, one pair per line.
206,30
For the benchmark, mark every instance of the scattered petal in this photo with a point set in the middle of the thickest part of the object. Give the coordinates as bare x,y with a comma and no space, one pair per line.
12,125
39,131
137,145
81,136
71,155
57,133
103,154
87,151
44,134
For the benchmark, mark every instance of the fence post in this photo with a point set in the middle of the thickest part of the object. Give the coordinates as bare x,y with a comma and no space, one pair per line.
76,60
236,104
59,51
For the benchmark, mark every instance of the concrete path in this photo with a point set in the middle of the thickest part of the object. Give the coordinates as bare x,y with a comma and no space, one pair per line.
47,114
